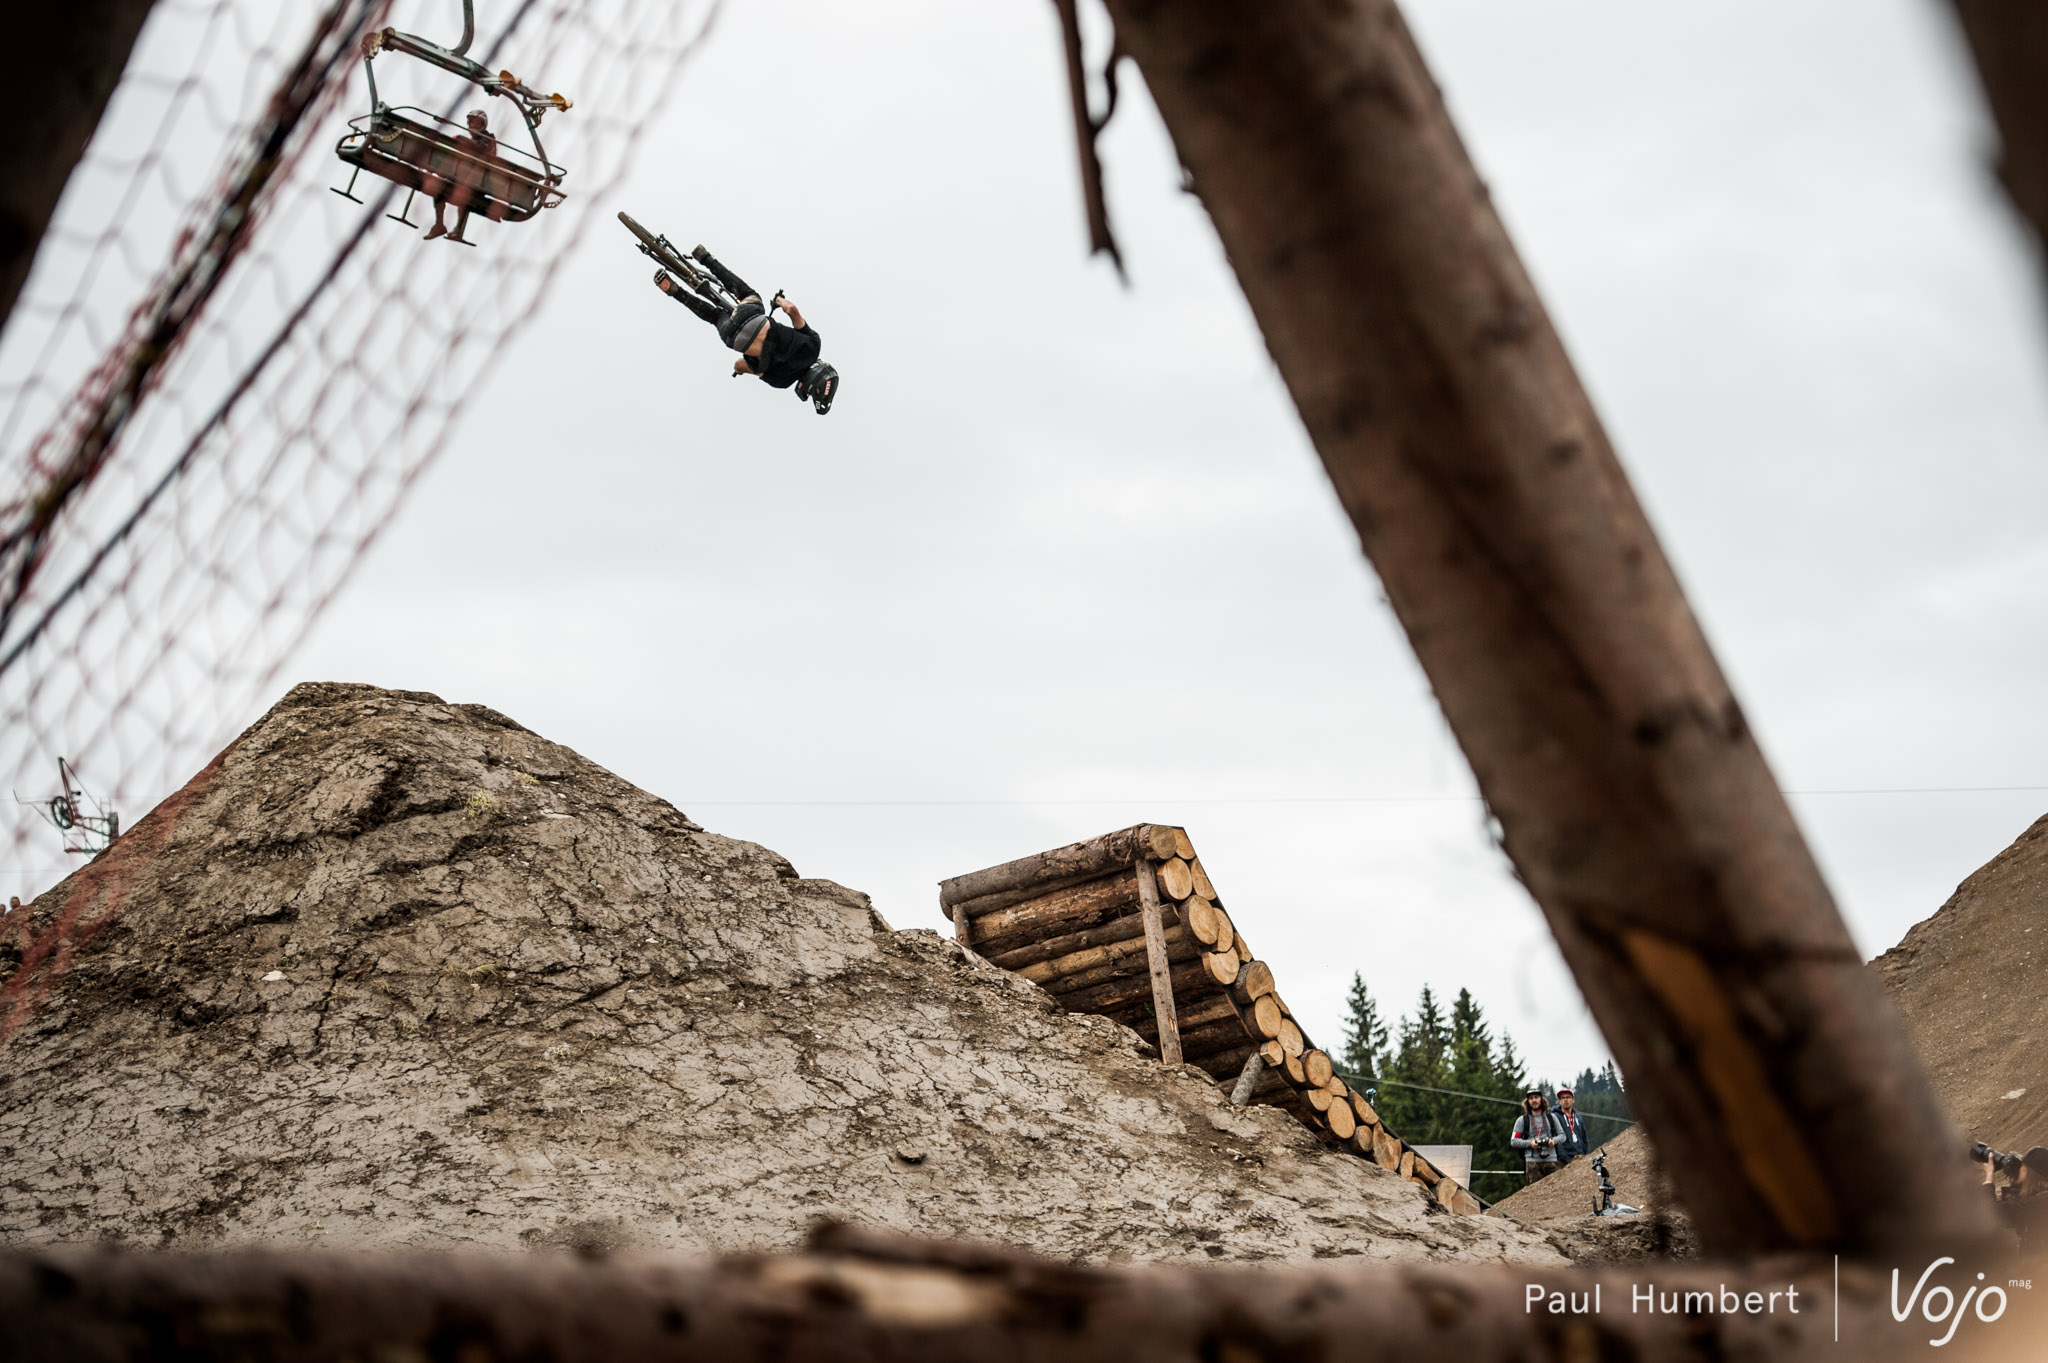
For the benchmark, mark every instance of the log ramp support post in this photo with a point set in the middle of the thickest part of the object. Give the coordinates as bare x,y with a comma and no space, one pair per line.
1248,1079
1789,1107
1155,959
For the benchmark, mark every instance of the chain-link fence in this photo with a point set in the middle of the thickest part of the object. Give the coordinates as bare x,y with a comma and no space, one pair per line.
222,378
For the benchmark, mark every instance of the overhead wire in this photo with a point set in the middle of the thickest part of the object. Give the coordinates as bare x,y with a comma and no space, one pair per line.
1356,1080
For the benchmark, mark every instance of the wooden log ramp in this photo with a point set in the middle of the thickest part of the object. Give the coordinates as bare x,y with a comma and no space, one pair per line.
860,1295
1129,926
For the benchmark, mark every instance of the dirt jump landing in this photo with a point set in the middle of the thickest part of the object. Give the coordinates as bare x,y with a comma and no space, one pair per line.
394,971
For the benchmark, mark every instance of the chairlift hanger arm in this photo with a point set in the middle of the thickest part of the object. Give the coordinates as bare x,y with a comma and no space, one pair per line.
531,102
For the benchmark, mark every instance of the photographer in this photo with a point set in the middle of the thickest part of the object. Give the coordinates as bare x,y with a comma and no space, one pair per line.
2016,1183
1536,1135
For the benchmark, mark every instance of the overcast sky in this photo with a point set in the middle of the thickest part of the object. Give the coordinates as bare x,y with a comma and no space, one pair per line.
1061,558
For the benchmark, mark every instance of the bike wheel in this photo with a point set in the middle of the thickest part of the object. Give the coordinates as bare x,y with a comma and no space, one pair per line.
652,245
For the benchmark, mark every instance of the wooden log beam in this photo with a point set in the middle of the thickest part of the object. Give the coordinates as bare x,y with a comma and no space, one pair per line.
1212,1011
1198,1045
1266,1018
1195,1013
1386,1148
1122,990
1174,879
1342,1121
1634,800
861,1296
1096,964
1254,979
1062,865
1210,924
1155,952
2009,40
1224,1066
1126,929
1069,909
1222,966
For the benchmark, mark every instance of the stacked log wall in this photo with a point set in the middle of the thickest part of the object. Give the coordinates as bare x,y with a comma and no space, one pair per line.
1073,922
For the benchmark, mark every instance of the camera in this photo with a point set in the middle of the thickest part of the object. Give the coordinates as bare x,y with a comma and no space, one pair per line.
2000,1161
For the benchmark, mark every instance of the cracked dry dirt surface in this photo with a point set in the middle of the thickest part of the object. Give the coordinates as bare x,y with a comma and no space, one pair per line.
1968,981
398,972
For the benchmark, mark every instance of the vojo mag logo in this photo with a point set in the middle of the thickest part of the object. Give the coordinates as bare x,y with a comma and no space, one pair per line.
1938,1305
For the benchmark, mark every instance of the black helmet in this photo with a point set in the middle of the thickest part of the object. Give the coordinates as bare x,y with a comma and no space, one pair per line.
820,385
733,322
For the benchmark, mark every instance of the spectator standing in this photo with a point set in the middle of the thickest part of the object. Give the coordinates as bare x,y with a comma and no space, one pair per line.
1536,1135
1573,1142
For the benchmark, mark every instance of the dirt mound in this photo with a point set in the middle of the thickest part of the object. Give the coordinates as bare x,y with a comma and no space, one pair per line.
1656,1234
393,971
1561,1206
1631,1164
1969,982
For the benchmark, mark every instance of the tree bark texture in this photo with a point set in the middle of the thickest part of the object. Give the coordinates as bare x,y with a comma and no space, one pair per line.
855,1296
2009,39
1634,801
59,66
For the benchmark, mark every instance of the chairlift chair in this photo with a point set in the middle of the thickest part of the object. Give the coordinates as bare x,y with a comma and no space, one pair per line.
410,146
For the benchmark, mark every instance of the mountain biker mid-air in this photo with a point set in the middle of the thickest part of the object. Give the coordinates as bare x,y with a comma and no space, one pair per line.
780,356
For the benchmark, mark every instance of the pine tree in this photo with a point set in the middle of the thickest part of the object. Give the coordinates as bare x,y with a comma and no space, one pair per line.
1599,1095
1417,1100
1510,1075
1365,1034
1426,1039
1469,1024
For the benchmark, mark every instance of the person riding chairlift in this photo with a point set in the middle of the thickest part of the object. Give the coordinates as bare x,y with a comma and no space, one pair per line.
483,145
780,356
